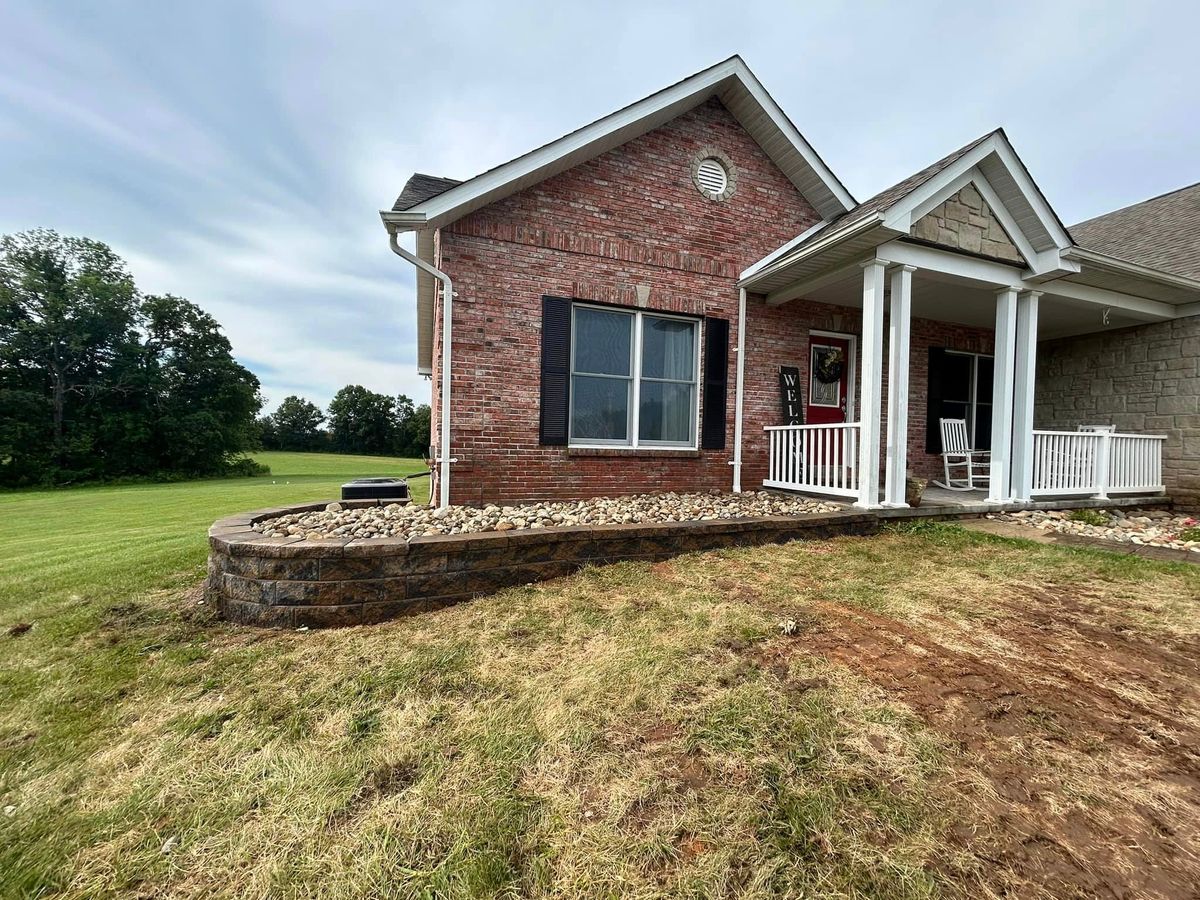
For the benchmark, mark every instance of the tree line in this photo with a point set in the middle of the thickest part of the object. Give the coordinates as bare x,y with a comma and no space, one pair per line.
99,381
358,421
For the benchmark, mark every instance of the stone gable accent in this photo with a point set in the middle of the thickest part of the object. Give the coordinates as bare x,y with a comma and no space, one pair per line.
966,222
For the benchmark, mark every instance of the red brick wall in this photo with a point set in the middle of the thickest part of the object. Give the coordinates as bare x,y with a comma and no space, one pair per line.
779,336
629,217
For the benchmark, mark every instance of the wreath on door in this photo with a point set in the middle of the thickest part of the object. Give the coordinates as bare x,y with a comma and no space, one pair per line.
830,365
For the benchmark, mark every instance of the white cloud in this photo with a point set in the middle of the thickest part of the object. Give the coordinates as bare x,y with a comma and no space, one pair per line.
237,153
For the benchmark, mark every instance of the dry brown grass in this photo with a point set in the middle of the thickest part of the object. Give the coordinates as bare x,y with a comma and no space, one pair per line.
637,730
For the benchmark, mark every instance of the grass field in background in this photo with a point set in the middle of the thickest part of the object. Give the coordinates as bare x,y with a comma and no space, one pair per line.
56,545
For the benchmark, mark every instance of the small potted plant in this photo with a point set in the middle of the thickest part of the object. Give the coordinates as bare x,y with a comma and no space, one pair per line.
914,488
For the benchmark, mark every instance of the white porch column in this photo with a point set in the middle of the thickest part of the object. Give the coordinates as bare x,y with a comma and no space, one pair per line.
999,489
871,383
899,329
1026,365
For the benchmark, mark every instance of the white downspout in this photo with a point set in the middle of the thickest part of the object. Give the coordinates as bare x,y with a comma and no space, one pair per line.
444,459
737,403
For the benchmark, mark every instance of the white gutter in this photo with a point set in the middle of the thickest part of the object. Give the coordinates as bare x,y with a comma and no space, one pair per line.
443,461
820,245
1124,267
737,403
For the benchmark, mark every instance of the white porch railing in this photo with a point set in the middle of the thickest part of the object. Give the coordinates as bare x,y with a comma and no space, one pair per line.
820,459
1096,463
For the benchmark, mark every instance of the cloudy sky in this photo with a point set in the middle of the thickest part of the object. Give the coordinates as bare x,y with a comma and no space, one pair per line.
236,153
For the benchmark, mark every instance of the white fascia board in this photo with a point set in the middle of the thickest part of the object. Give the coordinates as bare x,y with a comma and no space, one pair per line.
785,126
1124,267
403,221
1154,309
705,82
905,212
1188,309
984,271
818,246
998,275
777,253
1031,192
440,209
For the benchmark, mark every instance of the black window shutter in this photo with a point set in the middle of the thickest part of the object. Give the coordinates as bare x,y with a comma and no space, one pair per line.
716,382
933,400
556,371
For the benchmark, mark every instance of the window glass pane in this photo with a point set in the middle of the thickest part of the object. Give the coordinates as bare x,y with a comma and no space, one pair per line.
602,341
666,412
983,427
668,348
600,408
987,369
957,373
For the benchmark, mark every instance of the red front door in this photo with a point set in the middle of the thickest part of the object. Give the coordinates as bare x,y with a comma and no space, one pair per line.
828,380
828,404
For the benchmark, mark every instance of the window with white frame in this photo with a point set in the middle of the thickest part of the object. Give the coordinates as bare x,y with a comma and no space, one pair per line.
634,378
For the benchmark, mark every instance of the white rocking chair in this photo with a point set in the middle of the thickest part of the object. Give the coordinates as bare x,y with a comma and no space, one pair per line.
957,454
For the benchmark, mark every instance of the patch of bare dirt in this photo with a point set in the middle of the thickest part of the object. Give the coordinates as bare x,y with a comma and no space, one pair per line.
384,781
1079,740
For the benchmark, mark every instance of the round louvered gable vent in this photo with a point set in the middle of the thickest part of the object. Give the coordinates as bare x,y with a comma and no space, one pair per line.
713,174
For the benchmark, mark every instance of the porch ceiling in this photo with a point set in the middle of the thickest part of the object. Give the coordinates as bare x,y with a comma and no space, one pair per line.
950,298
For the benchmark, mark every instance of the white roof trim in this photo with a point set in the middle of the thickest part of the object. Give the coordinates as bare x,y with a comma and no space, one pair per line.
1041,239
775,254
613,130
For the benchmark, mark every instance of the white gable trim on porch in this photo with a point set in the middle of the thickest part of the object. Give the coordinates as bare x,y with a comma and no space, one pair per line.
995,171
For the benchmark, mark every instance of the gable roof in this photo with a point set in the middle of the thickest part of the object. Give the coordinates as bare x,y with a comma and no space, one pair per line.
1160,233
886,199
731,81
420,188
989,162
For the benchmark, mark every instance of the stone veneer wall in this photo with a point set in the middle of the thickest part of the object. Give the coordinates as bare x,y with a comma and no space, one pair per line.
291,582
966,222
1141,379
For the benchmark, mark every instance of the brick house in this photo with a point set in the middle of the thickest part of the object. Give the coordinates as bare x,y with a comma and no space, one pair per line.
683,296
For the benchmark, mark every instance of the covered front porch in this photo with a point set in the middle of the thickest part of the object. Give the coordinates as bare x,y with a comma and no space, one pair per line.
972,244
867,458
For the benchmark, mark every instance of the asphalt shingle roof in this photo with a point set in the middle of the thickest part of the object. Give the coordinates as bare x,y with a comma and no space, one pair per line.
897,192
1162,233
420,188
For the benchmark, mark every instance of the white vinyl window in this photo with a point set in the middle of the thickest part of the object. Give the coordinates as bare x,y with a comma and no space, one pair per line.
634,379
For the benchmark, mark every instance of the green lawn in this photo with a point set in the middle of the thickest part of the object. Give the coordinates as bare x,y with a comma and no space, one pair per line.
58,546
634,730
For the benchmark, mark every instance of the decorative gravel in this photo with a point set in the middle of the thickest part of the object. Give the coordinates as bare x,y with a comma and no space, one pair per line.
410,521
1151,527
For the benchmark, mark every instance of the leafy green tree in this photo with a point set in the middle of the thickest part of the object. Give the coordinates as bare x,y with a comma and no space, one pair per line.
268,439
204,400
99,382
297,425
68,311
412,428
362,421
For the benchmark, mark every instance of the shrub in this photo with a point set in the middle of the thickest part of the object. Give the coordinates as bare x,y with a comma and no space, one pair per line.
1097,517
244,466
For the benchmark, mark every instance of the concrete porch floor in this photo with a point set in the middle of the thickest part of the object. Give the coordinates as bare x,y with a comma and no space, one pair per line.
937,501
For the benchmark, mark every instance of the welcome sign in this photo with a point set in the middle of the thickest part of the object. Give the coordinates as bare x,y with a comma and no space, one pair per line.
789,395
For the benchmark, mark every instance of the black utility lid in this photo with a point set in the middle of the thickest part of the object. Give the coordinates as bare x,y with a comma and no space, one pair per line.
375,489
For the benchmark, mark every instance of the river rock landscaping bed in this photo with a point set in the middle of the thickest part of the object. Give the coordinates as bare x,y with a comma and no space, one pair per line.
1150,527
409,521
